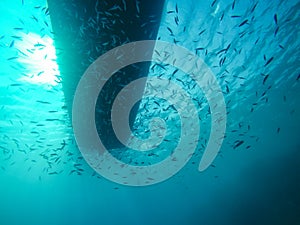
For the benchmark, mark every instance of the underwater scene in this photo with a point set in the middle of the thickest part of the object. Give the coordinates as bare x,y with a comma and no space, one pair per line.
137,112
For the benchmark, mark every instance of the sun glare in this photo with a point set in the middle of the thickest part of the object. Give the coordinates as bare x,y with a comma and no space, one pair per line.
38,56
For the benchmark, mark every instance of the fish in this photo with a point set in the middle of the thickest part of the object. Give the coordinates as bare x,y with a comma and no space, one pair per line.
47,12
268,62
175,41
43,102
275,19
252,10
52,173
227,89
12,44
228,47
201,32
243,23
12,58
51,120
222,16
39,45
265,79
198,49
276,31
40,73
15,85
233,4
34,18
17,37
170,31
213,3
238,143
223,50
175,71
176,20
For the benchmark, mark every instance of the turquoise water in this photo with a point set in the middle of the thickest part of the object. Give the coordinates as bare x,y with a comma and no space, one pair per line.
255,178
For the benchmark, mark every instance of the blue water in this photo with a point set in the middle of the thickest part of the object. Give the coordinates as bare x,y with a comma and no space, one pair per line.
257,182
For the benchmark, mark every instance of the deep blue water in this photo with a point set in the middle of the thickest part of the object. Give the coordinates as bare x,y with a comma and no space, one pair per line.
257,182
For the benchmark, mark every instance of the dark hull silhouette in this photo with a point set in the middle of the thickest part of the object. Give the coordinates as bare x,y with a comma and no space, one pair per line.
86,29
